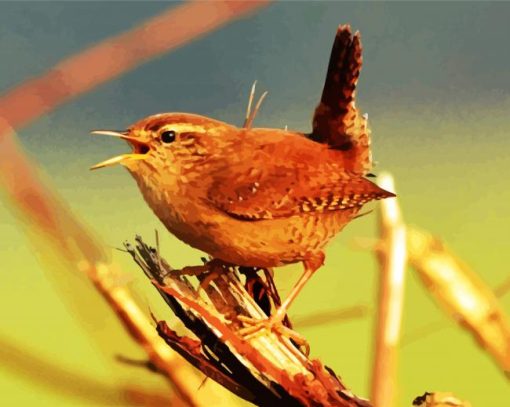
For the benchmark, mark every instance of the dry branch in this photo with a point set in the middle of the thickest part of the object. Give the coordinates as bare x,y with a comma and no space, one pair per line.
267,369
391,253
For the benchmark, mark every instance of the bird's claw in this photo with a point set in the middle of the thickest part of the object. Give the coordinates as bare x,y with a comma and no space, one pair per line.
206,273
254,327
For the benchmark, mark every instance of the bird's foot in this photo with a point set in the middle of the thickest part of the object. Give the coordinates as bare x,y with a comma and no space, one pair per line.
214,271
254,327
205,272
191,270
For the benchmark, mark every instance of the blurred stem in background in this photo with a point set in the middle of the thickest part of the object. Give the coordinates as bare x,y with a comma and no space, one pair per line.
29,365
71,247
99,64
462,294
392,256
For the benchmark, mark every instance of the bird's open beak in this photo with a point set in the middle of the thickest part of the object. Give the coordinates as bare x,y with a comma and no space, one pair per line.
140,148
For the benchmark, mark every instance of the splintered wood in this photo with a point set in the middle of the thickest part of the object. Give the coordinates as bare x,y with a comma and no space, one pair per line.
264,369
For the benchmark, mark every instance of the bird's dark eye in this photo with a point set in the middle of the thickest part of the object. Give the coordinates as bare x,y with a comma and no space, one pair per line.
168,136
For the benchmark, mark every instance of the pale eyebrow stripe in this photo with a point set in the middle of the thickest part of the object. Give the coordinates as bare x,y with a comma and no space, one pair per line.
184,128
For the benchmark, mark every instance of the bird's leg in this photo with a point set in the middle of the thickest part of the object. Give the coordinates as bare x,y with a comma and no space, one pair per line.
191,270
215,268
274,322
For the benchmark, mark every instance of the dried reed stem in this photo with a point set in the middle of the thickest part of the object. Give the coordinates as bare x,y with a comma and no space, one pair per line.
166,361
462,293
503,288
113,57
71,77
73,244
335,315
391,253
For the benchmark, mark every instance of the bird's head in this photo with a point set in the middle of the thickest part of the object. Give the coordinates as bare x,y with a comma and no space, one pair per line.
170,143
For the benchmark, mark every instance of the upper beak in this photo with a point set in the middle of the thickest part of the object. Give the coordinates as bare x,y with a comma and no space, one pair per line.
140,148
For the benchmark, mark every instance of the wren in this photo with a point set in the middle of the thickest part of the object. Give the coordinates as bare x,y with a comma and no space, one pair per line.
257,197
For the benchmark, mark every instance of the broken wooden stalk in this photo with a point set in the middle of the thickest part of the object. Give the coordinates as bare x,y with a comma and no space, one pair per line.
265,369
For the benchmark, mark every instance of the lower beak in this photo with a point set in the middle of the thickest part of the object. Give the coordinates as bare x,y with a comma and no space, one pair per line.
119,159
140,149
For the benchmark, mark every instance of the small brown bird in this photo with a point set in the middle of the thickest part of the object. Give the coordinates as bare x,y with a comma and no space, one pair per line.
247,196
260,197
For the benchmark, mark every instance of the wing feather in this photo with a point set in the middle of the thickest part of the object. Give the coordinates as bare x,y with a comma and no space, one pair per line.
277,191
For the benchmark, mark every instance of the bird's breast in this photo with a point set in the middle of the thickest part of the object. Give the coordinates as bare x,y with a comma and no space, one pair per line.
265,243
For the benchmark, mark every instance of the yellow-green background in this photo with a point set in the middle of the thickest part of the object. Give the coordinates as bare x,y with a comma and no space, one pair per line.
436,85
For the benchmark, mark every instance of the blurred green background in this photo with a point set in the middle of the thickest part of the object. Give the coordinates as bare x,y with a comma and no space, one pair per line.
436,86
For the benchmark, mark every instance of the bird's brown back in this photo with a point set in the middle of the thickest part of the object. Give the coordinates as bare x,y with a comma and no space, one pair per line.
282,174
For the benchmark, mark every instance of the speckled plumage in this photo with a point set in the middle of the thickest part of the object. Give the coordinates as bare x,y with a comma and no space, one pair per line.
253,197
260,197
